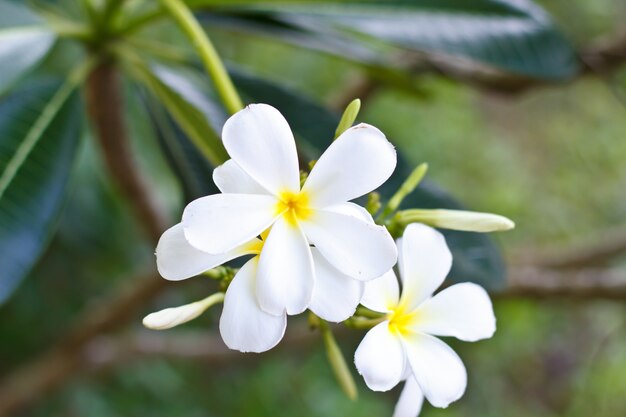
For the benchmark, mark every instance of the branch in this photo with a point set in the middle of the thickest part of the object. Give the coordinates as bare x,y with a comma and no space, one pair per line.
607,246
26,385
206,347
105,106
590,283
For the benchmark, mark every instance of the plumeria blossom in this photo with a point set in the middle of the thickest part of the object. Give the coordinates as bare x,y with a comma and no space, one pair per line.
403,346
261,190
244,326
285,275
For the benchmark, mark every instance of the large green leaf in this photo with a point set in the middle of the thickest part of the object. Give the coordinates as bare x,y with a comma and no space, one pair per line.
476,257
192,169
191,110
40,128
514,36
24,41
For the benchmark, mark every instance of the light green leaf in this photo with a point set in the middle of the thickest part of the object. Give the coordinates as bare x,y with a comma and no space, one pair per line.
24,41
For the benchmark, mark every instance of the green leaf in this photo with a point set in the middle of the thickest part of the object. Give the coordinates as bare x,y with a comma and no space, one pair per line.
24,41
191,168
40,128
515,36
187,106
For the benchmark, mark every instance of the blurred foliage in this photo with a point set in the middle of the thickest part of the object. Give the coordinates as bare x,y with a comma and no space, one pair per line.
552,160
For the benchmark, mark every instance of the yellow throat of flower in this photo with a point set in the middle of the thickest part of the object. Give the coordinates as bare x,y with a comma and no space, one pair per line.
293,206
401,320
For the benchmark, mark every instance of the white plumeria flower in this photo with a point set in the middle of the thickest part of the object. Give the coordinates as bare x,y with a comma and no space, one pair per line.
243,325
402,347
261,190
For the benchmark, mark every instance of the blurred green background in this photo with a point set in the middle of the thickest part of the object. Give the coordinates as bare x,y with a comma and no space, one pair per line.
551,159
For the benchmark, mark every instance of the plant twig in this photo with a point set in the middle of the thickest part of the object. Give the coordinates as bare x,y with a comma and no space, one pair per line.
105,106
584,284
27,384
607,246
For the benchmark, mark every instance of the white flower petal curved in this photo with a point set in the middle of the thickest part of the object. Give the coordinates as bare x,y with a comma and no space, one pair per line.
178,260
259,140
286,275
437,368
230,178
463,311
220,222
243,325
335,295
425,261
359,161
381,294
358,249
380,358
411,399
351,209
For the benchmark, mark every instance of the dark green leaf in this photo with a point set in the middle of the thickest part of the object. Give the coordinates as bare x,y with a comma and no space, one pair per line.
508,35
24,41
33,186
192,110
192,169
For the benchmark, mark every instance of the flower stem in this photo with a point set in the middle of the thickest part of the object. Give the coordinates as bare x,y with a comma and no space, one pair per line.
209,56
338,362
405,189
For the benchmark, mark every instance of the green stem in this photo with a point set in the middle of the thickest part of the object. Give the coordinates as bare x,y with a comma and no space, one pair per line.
338,362
405,189
363,323
111,8
209,56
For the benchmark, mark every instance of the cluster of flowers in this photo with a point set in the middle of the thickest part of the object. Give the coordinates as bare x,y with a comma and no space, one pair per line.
313,249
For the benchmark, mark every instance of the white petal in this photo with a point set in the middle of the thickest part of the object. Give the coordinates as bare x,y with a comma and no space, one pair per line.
243,325
335,295
171,317
437,368
358,249
381,294
351,209
178,260
380,358
462,310
259,139
425,260
411,399
286,275
230,178
220,222
359,161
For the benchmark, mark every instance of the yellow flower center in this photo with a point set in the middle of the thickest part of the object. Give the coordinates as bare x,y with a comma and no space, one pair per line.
294,206
401,320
